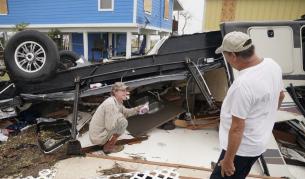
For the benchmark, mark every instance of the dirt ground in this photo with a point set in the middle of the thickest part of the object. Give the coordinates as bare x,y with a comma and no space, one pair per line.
21,156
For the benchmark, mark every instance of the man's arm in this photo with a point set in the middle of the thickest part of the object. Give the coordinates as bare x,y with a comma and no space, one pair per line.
234,140
281,98
131,111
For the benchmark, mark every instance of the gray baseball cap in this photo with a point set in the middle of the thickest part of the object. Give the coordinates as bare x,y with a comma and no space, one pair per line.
234,42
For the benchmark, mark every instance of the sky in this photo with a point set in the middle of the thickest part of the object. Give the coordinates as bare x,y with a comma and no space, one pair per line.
195,8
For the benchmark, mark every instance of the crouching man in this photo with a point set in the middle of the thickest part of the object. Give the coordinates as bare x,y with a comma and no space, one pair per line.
109,120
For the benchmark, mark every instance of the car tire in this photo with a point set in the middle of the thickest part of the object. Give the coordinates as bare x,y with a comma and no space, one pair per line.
67,59
30,56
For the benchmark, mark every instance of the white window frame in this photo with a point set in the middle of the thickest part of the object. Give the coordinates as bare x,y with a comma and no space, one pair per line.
100,9
147,12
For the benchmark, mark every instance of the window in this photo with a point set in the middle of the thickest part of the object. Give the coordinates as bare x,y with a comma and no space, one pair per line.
148,6
166,9
3,7
105,5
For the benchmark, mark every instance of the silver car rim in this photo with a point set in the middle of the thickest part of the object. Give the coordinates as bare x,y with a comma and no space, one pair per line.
30,57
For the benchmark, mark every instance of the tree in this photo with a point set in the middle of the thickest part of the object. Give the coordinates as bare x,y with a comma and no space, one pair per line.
186,16
56,35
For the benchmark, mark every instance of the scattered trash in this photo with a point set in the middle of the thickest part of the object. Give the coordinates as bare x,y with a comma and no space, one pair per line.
7,113
95,85
3,138
17,127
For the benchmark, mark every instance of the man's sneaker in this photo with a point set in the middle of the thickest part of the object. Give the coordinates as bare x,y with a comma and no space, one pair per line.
116,149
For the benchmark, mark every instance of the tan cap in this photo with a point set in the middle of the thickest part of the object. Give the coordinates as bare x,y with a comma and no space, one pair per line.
234,42
119,86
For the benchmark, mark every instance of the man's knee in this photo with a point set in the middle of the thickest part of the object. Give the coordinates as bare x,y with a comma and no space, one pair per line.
122,125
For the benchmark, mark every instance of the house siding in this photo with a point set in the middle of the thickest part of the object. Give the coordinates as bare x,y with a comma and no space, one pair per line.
66,12
247,10
156,18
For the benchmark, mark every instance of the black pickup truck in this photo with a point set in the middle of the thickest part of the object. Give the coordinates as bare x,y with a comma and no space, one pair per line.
32,61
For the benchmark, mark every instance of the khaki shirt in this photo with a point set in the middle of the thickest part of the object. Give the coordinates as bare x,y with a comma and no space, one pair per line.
109,118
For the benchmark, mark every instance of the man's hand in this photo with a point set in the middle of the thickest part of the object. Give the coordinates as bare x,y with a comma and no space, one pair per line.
234,139
142,109
227,168
139,107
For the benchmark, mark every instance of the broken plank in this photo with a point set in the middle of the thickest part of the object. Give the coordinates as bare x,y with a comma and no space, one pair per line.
185,124
203,126
131,141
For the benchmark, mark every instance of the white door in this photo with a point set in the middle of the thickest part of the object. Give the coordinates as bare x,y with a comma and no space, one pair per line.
276,43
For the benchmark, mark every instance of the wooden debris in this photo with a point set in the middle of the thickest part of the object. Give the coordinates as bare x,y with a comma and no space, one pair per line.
132,141
186,124
181,123
208,125
58,114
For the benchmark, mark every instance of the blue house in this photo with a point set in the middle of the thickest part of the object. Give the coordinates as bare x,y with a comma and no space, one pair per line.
94,28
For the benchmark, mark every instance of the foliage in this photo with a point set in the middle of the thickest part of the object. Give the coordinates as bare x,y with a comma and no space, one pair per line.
54,33
20,27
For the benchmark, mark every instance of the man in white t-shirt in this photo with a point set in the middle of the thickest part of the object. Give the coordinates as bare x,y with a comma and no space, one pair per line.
249,109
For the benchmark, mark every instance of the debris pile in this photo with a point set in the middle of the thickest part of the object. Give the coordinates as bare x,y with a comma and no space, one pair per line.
21,156
116,169
290,136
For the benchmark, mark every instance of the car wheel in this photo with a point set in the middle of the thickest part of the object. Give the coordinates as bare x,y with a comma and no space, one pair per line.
67,59
30,56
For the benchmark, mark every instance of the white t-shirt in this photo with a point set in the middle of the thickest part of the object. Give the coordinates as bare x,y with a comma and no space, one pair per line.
253,96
